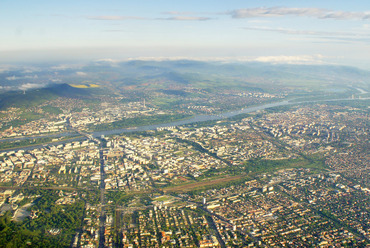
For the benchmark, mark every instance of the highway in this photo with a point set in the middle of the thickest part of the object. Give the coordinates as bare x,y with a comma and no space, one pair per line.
102,217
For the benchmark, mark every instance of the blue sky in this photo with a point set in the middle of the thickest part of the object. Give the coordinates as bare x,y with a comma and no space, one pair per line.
312,31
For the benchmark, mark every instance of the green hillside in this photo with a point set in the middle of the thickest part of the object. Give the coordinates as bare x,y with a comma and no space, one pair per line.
35,97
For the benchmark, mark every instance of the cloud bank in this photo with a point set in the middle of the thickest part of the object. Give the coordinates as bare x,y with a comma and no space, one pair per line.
359,36
303,59
305,12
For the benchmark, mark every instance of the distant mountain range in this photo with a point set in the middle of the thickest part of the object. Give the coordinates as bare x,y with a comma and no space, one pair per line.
47,82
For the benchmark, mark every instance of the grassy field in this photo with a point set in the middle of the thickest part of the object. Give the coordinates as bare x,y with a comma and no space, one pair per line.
251,169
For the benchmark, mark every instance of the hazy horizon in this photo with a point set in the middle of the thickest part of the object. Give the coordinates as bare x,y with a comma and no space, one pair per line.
314,32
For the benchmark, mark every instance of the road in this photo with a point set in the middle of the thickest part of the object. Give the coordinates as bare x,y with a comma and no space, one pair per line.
102,217
213,225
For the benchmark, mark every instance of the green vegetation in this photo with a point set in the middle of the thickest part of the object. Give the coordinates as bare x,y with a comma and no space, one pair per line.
24,117
33,142
35,97
28,116
361,104
119,197
52,110
24,143
322,97
61,219
23,100
139,121
219,178
263,165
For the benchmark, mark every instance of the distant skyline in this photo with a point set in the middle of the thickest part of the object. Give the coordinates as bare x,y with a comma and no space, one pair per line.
302,32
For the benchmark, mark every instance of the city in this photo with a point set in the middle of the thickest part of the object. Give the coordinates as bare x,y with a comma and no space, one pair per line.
226,124
294,176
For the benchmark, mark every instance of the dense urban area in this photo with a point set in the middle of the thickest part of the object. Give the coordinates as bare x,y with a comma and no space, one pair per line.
290,175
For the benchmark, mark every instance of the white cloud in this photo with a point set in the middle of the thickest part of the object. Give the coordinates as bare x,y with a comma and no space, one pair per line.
63,67
274,11
115,18
302,59
4,68
11,78
81,73
177,13
359,36
115,31
107,60
308,12
298,32
258,21
28,86
186,18
178,16
5,87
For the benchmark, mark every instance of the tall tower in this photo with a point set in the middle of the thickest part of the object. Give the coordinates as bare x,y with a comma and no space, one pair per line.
144,103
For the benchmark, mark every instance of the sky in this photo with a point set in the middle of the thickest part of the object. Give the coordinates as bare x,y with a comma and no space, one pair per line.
298,32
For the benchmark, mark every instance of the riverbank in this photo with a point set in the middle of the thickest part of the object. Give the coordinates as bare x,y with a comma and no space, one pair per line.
195,119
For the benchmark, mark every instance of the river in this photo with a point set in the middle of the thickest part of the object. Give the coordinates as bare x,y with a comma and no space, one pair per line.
198,118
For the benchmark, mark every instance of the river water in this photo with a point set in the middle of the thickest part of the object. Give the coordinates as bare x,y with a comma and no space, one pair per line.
198,118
